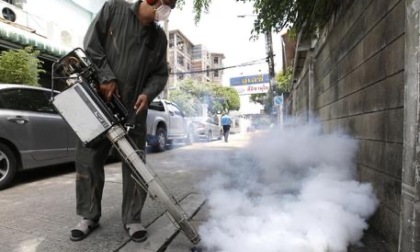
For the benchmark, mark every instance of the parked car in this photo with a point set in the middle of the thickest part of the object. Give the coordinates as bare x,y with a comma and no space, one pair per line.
32,134
167,123
206,128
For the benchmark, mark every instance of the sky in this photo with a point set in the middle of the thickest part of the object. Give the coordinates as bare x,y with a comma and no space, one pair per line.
92,5
222,31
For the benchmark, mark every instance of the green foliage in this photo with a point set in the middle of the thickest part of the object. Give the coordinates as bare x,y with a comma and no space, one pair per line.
283,85
200,6
258,98
264,99
233,100
280,14
188,103
20,66
192,94
284,81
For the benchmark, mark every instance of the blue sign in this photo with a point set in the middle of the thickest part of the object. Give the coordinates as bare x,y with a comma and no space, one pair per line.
249,80
278,100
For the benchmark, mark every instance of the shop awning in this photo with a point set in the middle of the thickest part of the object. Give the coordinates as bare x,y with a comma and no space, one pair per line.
13,35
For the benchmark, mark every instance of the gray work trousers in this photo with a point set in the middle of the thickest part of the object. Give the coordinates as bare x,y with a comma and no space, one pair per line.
90,178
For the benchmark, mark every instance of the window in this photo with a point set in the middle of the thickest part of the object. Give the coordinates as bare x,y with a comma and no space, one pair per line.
180,60
171,40
26,100
216,60
156,105
216,73
173,108
180,45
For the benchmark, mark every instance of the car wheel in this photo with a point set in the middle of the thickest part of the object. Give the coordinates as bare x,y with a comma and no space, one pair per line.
209,136
8,166
161,140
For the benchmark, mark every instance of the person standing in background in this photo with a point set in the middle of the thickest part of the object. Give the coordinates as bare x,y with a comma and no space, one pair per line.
226,123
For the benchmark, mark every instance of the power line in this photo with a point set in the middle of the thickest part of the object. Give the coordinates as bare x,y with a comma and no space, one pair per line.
249,63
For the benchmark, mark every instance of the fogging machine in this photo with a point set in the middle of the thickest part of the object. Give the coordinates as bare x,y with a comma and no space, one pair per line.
91,118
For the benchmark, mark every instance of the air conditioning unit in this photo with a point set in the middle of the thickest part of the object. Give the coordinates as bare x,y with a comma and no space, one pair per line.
12,14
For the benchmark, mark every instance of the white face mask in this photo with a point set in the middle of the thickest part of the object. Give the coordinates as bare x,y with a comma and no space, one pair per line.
162,13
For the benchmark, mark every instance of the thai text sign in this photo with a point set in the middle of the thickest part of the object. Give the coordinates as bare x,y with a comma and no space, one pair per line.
249,80
252,89
251,84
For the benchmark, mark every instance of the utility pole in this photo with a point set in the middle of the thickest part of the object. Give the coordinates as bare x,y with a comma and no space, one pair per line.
271,94
270,59
270,54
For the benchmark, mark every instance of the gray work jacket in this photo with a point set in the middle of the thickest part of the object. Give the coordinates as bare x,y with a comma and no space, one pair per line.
116,42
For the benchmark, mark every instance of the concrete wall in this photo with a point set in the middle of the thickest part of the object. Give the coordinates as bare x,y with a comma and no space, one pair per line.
353,80
410,211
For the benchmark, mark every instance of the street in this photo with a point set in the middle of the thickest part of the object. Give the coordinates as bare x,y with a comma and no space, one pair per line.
238,195
38,210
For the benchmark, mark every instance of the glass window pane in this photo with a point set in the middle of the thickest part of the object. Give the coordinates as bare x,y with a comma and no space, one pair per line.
26,100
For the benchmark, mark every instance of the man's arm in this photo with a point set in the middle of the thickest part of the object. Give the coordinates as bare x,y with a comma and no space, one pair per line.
95,36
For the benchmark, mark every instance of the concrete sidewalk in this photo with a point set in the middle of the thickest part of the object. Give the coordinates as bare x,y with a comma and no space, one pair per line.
38,212
41,222
162,232
37,216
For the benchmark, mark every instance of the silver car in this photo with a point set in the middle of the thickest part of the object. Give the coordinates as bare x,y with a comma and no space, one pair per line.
206,128
32,134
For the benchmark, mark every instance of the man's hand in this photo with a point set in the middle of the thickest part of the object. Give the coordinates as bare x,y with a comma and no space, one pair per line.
107,89
142,103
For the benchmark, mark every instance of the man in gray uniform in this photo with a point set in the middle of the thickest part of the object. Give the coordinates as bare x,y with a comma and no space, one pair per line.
129,49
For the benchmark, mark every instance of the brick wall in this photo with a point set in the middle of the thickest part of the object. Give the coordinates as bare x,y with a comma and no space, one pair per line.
358,86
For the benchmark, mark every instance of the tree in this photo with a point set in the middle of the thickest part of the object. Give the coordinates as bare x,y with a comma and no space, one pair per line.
296,15
192,94
20,66
283,85
233,100
224,99
284,81
279,14
186,102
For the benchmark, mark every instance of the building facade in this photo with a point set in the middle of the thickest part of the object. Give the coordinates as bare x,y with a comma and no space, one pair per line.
180,57
187,60
207,66
29,23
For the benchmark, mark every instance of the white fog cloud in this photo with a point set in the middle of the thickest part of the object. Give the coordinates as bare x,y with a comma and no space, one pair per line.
291,190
